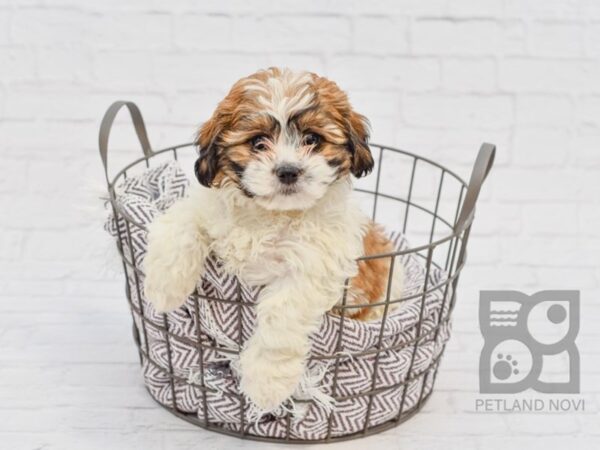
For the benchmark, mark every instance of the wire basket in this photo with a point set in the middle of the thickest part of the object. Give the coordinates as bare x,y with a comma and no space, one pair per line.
415,195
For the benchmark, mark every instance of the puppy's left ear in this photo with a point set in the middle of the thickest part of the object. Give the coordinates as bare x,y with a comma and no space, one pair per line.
358,142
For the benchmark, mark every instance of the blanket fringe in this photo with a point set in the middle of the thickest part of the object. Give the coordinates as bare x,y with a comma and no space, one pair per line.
309,389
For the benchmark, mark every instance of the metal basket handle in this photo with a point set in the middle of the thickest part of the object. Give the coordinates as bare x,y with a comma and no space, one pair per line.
106,126
481,169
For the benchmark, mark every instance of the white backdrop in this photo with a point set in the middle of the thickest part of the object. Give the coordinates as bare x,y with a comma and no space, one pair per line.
434,77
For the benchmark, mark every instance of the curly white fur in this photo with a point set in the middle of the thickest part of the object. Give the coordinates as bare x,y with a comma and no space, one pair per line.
303,258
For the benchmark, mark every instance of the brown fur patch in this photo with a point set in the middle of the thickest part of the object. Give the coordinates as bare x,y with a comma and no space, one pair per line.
370,285
356,127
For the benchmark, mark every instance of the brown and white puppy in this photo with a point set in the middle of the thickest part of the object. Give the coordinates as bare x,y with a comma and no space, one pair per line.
278,153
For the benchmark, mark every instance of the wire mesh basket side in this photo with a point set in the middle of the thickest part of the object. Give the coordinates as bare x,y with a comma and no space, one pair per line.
445,228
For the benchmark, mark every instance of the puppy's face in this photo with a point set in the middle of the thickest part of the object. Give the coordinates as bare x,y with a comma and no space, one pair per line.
283,138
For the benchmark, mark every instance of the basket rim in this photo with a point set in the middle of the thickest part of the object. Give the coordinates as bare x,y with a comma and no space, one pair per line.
454,231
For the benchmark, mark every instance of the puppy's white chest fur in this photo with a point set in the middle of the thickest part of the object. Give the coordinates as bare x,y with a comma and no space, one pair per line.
260,246
258,251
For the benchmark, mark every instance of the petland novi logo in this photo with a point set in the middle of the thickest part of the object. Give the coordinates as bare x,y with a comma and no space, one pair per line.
529,343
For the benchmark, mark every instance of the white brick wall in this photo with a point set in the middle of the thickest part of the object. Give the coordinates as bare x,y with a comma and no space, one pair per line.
435,77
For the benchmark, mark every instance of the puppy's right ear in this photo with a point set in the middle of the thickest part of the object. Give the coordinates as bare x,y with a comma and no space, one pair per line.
207,166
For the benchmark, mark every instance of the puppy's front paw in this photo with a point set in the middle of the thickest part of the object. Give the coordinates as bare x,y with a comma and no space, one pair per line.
163,298
166,287
269,379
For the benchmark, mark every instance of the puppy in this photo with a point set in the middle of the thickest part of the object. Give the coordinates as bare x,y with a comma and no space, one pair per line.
278,154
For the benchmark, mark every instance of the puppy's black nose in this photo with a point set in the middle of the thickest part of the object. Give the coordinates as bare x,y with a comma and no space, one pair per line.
288,174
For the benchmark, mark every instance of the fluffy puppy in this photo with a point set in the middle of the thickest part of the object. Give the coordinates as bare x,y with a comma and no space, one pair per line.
278,154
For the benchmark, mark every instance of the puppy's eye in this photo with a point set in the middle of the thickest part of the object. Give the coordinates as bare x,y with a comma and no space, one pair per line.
311,139
259,142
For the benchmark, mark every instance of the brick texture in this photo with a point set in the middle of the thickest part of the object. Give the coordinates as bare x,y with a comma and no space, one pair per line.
434,77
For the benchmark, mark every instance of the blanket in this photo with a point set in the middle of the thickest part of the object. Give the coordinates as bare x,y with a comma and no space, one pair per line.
358,374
